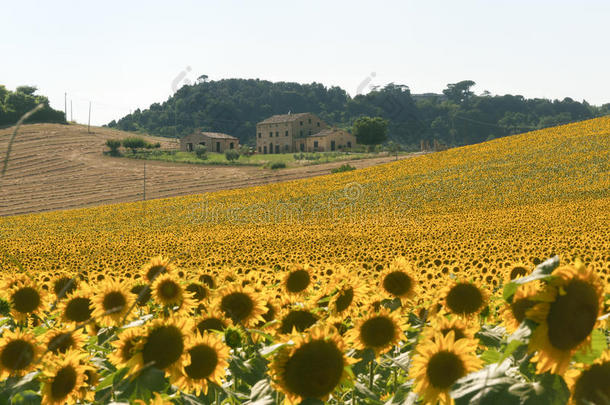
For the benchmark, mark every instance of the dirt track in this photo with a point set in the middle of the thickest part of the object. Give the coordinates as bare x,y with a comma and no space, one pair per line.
54,167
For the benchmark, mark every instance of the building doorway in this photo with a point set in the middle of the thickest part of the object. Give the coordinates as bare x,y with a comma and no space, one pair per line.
218,147
332,145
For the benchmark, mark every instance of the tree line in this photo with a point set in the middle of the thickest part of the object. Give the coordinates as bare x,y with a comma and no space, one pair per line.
455,117
14,104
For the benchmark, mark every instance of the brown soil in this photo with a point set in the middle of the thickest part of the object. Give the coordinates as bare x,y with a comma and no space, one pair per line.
54,167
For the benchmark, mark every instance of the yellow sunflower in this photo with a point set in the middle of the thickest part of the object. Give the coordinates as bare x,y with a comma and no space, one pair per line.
64,284
518,270
311,367
19,352
112,303
26,299
156,267
77,307
439,363
206,360
378,331
592,386
64,379
514,313
167,291
64,339
297,280
464,298
212,321
566,311
241,304
398,280
296,319
124,347
162,346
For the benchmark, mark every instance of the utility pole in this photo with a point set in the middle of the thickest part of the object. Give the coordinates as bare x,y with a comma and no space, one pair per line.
89,122
71,111
66,106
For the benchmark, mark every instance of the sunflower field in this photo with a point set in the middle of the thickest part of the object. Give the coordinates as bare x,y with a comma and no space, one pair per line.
479,274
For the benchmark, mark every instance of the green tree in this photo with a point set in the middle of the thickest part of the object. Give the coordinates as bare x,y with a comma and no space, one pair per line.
114,145
201,152
370,131
134,143
231,155
459,92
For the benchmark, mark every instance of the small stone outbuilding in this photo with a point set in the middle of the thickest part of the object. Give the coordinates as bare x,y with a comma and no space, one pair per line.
213,141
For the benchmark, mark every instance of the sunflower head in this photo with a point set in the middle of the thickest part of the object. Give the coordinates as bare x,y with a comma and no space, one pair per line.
61,340
398,280
464,298
378,331
26,298
592,386
439,363
124,347
156,267
64,285
296,319
18,353
112,303
77,307
312,367
297,280
514,312
241,304
206,359
566,311
64,379
441,325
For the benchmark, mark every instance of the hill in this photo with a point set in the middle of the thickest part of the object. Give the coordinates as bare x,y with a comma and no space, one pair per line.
456,117
55,167
489,206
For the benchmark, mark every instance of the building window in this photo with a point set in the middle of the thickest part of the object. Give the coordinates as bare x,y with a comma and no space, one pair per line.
277,134
285,148
189,147
349,144
259,149
310,132
277,148
301,123
286,133
318,124
315,144
218,147
309,121
301,132
260,135
302,147
270,134
231,145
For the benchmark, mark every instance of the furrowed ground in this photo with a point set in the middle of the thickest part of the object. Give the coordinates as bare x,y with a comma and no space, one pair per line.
54,167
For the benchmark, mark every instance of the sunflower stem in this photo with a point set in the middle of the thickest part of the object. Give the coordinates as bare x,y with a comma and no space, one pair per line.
371,373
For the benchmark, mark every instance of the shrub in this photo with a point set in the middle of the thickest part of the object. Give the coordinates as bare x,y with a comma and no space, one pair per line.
134,143
201,152
232,155
345,167
278,165
114,145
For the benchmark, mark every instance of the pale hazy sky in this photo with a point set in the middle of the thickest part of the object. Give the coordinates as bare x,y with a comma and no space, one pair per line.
124,55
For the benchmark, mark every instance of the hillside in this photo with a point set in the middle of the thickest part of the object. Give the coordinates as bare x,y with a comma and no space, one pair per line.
517,199
56,166
456,117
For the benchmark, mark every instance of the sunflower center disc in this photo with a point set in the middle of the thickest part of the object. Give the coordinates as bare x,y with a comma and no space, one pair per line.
297,281
314,370
397,283
26,299
169,290
64,286
238,306
78,309
519,308
377,332
63,383
114,302
444,368
464,298
17,354
210,324
163,346
344,299
593,385
203,362
572,316
60,343
299,319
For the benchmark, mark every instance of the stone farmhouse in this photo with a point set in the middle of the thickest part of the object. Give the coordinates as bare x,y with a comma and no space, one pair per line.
303,132
213,141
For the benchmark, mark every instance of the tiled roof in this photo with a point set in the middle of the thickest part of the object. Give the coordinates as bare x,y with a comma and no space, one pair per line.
275,119
326,132
217,135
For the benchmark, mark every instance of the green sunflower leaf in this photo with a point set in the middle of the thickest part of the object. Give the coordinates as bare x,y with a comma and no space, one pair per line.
541,272
590,354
